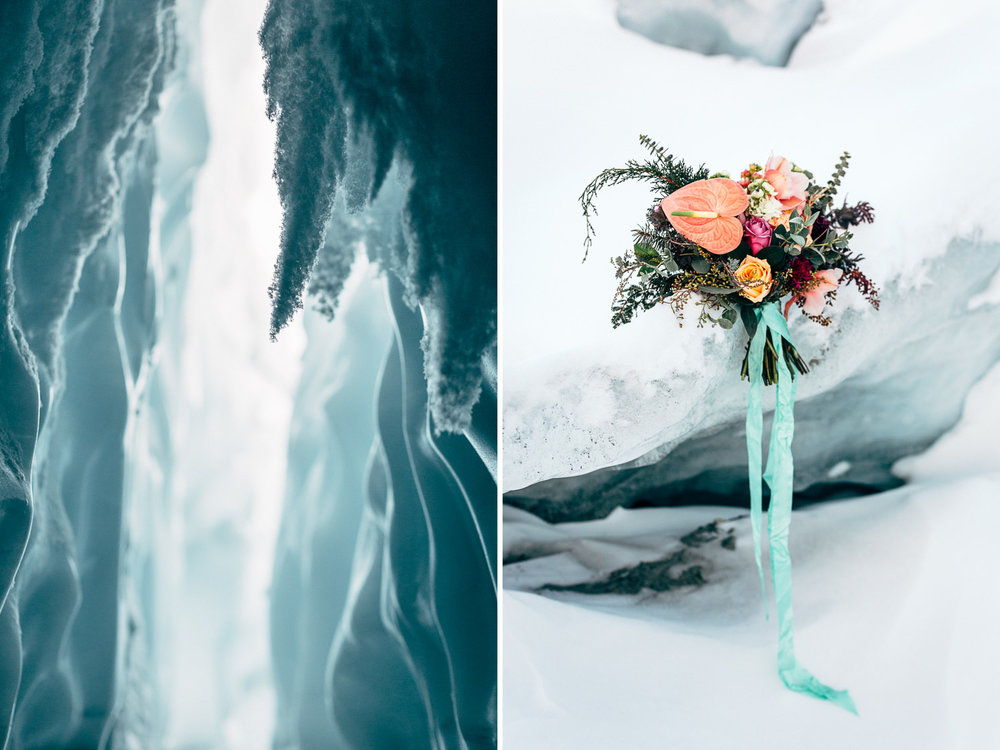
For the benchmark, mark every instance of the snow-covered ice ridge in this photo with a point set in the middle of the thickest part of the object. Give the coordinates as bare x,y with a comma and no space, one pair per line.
580,397
411,101
883,385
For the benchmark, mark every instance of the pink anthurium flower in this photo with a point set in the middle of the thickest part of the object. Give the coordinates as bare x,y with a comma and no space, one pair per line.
789,187
705,212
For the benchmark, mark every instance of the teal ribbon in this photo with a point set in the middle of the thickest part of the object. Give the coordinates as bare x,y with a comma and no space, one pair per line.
778,476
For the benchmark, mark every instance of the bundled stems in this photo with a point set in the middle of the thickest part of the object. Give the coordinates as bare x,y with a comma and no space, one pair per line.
769,371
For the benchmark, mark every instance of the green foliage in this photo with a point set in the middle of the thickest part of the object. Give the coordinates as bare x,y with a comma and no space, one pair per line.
636,297
834,182
661,170
646,254
664,267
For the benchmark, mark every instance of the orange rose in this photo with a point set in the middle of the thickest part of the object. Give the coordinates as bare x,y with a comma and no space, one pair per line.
754,278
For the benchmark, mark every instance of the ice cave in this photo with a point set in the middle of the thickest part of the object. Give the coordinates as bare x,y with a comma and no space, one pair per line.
248,374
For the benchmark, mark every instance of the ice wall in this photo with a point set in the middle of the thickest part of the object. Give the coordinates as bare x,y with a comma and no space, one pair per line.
76,173
386,117
334,426
422,604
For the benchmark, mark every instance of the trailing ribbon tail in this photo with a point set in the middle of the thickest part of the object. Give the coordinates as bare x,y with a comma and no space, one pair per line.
778,476
755,430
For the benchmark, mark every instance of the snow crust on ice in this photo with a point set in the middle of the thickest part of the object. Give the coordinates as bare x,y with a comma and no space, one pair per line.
900,85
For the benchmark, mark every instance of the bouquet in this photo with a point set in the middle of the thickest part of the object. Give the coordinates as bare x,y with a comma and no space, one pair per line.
736,249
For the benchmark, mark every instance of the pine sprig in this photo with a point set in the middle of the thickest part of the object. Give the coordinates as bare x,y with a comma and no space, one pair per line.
664,172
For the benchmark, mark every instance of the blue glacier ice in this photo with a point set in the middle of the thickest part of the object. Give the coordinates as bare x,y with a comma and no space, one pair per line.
390,154
208,540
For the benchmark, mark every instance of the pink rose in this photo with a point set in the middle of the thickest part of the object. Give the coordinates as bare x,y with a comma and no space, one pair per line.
789,187
757,232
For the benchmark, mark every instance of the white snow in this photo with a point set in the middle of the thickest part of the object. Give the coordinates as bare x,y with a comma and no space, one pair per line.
895,599
905,87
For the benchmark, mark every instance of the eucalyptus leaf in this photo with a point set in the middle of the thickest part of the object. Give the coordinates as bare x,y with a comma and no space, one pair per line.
717,290
798,239
793,250
813,255
700,265
668,265
725,322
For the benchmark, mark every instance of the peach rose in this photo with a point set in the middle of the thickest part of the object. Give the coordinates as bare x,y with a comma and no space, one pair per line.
754,278
789,187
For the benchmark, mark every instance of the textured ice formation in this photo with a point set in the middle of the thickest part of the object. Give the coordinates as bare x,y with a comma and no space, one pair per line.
144,426
422,604
76,185
383,524
416,89
384,606
766,30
